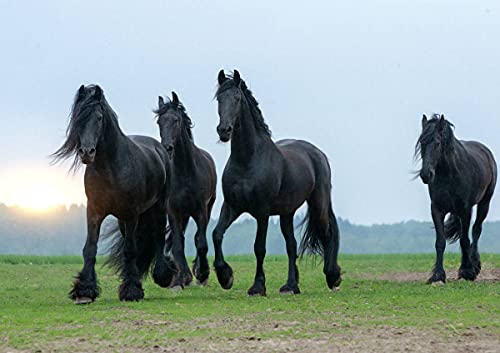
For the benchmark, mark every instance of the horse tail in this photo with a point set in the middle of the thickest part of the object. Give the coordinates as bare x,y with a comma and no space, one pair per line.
314,241
145,243
452,228
115,245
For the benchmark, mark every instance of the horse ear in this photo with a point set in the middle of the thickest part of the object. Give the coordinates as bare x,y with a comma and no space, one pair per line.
175,99
442,123
98,93
221,77
236,76
161,102
424,120
81,92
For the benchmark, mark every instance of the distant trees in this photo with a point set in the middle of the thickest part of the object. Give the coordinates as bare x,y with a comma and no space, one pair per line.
62,232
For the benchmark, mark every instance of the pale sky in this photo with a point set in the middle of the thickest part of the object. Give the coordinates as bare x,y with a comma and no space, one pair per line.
352,77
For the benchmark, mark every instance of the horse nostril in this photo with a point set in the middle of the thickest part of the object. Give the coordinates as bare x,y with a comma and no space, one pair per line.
170,148
92,151
229,129
80,151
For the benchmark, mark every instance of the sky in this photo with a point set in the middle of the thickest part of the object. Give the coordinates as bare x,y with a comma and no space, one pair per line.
352,77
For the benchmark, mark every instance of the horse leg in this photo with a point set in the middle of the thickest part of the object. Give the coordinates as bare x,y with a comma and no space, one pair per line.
292,284
178,224
259,284
482,211
165,267
466,270
131,287
438,274
201,269
85,289
224,272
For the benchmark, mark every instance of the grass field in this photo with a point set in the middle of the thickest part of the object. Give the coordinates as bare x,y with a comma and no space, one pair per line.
383,305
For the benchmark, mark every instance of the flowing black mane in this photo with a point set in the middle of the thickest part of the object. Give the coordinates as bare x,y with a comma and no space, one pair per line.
187,124
429,132
85,102
254,105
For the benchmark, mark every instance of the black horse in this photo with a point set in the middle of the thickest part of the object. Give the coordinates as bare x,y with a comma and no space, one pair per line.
460,175
125,176
265,178
194,180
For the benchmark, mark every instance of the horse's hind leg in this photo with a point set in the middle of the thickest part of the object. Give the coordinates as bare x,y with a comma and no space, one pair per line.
131,287
292,284
482,211
466,270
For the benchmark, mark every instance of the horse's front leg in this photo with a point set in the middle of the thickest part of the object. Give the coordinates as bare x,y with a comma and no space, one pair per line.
165,266
85,289
178,225
201,270
131,287
259,284
438,274
224,272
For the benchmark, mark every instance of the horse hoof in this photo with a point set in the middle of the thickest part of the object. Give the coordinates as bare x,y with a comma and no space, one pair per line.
131,292
83,300
229,284
286,290
257,294
176,288
257,290
438,283
202,284
467,273
335,289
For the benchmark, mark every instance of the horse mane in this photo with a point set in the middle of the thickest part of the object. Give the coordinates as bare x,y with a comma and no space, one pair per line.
82,108
187,123
254,105
429,132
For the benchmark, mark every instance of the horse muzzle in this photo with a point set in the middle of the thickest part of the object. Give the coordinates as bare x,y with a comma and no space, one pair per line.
225,133
427,176
87,155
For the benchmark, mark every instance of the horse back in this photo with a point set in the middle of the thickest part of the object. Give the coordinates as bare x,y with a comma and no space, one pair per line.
485,164
306,169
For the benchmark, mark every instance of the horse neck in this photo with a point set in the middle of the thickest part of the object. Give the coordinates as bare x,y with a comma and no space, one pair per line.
183,155
112,140
246,137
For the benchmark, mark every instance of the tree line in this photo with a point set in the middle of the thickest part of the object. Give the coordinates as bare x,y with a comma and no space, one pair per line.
62,231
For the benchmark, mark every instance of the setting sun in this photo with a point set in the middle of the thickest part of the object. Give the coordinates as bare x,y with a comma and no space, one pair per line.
39,189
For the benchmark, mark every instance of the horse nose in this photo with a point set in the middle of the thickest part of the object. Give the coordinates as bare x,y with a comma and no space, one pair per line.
226,129
170,148
86,151
427,176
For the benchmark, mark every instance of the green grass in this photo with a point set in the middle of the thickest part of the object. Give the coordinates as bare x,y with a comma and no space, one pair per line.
35,310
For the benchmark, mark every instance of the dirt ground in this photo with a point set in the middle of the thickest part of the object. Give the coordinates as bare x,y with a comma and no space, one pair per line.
355,340
486,275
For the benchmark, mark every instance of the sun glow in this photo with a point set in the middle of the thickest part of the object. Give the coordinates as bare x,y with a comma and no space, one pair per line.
39,189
